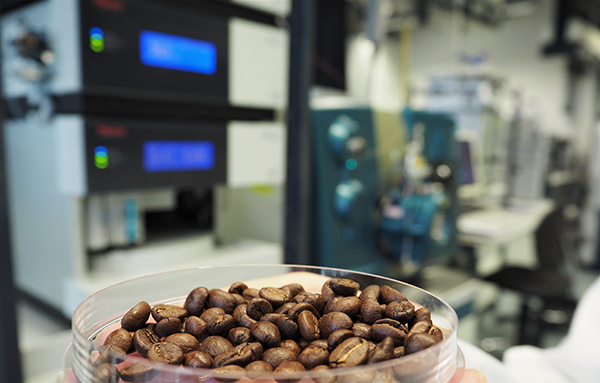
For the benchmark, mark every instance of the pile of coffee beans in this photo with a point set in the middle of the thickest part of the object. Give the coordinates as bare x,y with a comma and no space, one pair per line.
252,332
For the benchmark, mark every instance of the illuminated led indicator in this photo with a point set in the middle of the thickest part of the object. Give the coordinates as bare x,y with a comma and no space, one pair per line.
351,164
101,157
97,39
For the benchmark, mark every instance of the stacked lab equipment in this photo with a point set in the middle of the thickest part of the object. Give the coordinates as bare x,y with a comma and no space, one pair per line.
129,121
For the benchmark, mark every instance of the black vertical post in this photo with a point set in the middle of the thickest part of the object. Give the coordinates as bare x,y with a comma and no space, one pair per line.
10,358
298,185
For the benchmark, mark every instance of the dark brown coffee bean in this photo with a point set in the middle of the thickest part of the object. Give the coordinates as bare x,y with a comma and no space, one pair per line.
324,374
138,372
277,355
362,330
143,340
186,342
266,333
382,308
195,302
160,312
220,324
299,307
212,314
318,343
337,337
240,355
272,317
422,314
403,311
239,300
389,294
107,373
166,353
420,327
289,372
136,317
285,308
334,321
291,344
370,292
258,368
381,331
197,327
250,293
308,326
239,335
275,295
214,345
383,351
237,288
120,338
343,286
241,317
314,299
110,354
351,352
347,305
330,302
221,299
295,288
437,333
370,311
287,327
197,359
398,352
391,322
257,307
228,374
167,327
417,342
313,356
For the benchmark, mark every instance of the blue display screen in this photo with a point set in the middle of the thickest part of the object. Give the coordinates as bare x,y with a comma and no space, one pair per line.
176,156
162,50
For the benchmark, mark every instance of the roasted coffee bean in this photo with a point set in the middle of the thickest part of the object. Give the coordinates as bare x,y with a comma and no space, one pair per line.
372,346
212,314
398,352
214,345
313,356
275,295
257,307
325,375
107,373
417,342
391,322
381,331
389,294
370,311
287,327
143,340
221,299
136,317
290,372
285,308
186,342
347,305
291,344
334,321
266,333
337,337
420,327
314,299
382,308
240,355
241,317
220,324
195,302
197,359
257,369
138,372
351,352
250,293
160,312
197,327
228,374
166,353
110,354
308,326
295,288
272,317
362,330
167,327
237,288
120,338
297,308
239,300
343,286
239,335
318,343
277,355
383,351
436,333
370,292
422,314
331,302
403,311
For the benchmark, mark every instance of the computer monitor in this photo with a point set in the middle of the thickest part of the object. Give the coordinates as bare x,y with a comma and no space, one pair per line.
469,174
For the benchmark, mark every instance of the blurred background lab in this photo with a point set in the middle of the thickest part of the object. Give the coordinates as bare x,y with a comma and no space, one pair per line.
450,144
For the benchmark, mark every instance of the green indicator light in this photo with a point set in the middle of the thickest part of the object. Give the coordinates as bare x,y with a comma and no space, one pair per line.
351,164
101,157
97,45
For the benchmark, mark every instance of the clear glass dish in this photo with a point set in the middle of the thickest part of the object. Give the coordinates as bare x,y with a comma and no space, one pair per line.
102,312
